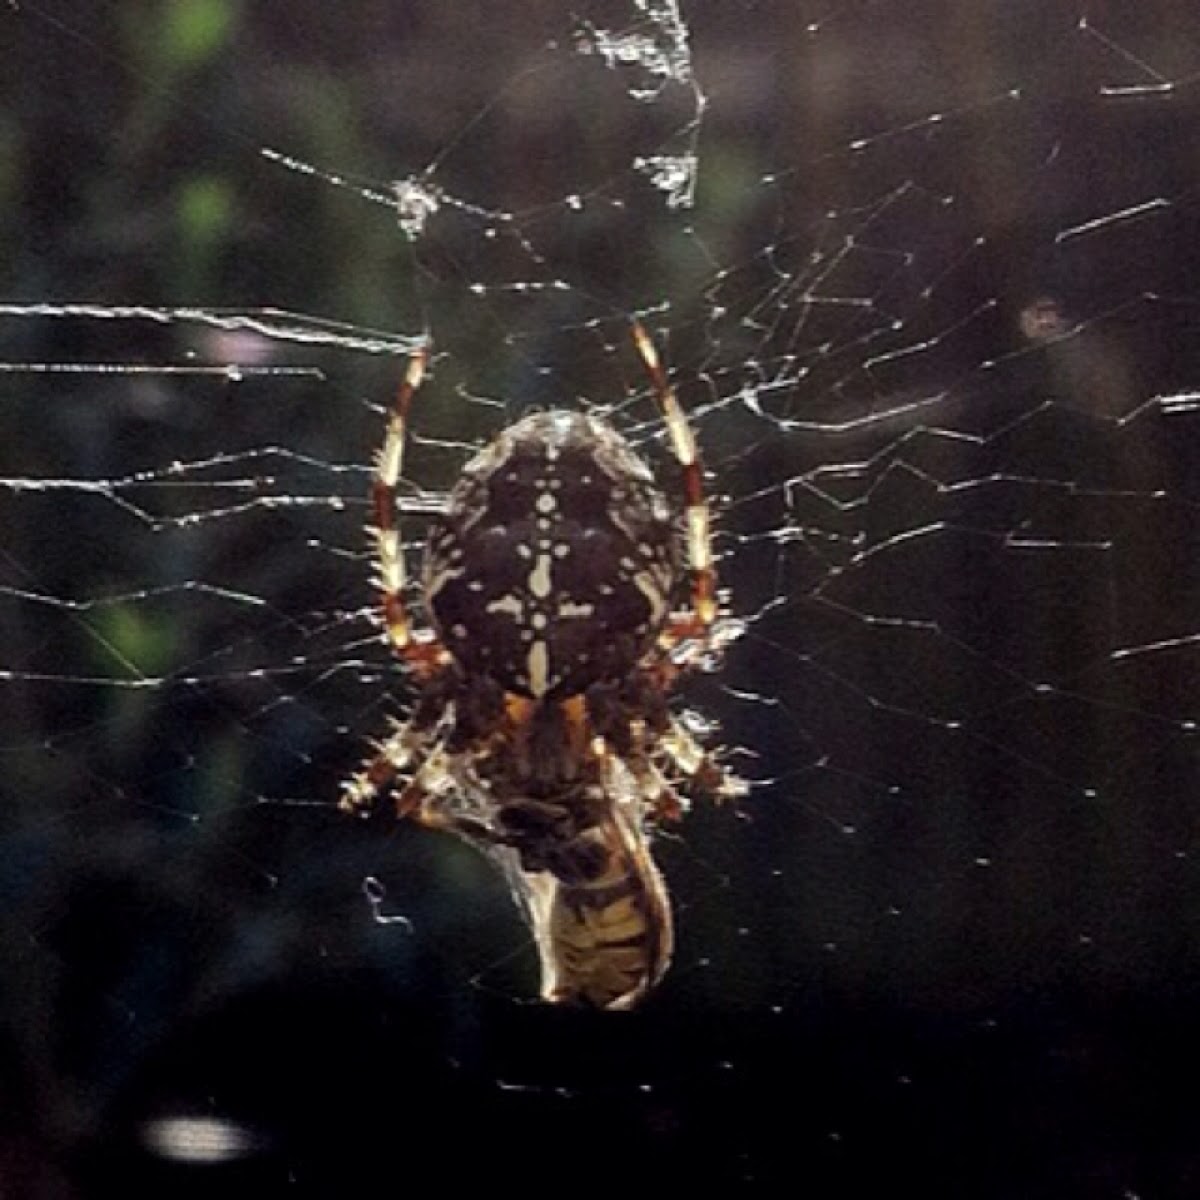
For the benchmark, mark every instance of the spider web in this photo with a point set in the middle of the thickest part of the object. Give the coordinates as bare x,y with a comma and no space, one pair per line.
924,278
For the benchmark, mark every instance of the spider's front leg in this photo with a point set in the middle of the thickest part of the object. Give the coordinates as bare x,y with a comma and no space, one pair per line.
704,601
421,650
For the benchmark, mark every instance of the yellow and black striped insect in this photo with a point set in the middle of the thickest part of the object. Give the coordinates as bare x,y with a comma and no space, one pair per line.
541,729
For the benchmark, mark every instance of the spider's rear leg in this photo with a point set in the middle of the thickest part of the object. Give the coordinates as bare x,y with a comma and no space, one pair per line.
690,763
700,766
635,720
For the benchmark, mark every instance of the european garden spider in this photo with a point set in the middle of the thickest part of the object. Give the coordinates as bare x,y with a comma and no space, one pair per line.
540,730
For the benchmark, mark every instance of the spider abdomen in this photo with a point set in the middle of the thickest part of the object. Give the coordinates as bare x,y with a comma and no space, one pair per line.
556,561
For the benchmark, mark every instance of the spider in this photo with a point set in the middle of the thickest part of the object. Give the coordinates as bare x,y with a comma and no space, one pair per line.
540,729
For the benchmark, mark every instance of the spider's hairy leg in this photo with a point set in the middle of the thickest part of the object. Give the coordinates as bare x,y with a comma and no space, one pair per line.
395,754
683,442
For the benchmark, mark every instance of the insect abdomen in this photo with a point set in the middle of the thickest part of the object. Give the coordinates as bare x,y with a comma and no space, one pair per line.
608,940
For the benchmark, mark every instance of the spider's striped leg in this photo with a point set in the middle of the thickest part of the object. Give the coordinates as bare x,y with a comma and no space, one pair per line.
420,650
704,606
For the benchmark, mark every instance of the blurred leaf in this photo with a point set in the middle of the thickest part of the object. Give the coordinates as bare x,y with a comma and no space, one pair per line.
131,636
195,30
205,208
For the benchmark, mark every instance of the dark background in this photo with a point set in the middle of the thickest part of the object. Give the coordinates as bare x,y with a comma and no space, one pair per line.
951,939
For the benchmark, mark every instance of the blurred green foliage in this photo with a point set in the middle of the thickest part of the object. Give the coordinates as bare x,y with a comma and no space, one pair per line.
194,31
146,643
206,212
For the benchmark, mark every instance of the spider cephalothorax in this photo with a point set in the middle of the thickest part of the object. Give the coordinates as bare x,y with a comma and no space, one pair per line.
541,729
